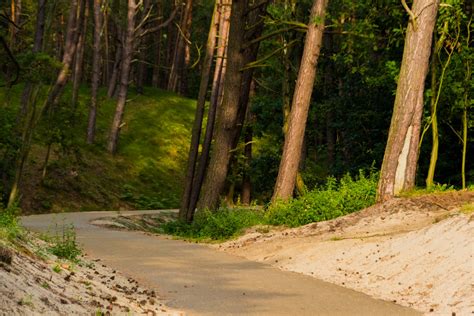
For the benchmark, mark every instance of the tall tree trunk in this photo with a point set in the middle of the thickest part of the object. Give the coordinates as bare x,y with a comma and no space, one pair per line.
290,160
231,114
115,69
401,153
143,45
156,80
15,8
184,212
178,57
79,60
248,139
95,71
124,75
69,51
37,47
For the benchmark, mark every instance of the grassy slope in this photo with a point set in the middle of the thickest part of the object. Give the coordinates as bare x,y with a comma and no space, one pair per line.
147,171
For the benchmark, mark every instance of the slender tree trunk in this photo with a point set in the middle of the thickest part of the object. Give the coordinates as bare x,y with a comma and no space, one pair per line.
197,127
467,102
37,47
246,180
231,115
125,72
401,154
143,46
115,70
15,8
290,160
79,60
183,75
178,58
95,71
69,51
156,80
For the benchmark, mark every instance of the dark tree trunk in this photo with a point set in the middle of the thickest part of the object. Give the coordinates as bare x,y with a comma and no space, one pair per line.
290,160
143,45
95,71
231,114
37,47
69,51
185,212
156,80
79,60
178,57
401,154
124,75
116,67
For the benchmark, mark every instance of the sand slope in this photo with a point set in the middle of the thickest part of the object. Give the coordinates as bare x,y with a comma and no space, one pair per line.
415,251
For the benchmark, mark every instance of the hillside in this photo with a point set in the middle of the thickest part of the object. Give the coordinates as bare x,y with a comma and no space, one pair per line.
146,173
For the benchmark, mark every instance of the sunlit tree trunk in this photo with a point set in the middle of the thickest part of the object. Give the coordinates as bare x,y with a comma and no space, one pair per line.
230,116
290,160
124,75
401,153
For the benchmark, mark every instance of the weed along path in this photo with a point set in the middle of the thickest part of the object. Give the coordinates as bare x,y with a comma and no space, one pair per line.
201,281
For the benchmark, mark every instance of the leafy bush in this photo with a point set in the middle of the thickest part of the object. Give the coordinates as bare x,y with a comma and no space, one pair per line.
335,198
64,245
10,229
222,224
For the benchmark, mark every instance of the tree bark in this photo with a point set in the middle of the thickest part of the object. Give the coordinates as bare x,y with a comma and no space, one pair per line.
401,153
156,80
124,75
95,71
290,160
69,51
231,114
178,57
184,212
79,60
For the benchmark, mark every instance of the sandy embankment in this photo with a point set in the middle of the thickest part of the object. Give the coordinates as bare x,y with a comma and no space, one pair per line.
415,251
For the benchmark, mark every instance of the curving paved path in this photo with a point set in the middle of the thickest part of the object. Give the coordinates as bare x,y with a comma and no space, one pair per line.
203,281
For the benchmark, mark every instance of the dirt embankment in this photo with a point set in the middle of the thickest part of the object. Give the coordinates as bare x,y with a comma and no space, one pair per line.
415,251
32,282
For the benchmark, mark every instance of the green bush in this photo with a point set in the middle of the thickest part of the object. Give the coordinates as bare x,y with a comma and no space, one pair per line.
222,224
334,199
10,229
64,245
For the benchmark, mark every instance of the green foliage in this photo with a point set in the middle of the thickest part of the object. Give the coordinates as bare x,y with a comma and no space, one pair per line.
220,225
64,245
10,228
335,198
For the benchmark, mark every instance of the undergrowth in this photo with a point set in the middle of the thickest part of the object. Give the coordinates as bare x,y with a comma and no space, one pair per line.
334,199
223,224
63,244
10,229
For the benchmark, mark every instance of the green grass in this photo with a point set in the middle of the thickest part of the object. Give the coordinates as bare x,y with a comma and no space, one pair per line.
146,173
336,198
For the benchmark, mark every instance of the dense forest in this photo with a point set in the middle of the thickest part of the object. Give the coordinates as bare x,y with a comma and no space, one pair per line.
195,104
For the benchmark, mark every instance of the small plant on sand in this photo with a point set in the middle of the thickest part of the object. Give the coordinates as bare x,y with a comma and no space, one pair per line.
64,245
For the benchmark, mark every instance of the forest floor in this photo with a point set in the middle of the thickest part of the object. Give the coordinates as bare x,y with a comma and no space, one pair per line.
34,282
415,251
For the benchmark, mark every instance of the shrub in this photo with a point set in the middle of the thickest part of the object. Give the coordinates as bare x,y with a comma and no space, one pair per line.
10,229
334,199
64,245
222,224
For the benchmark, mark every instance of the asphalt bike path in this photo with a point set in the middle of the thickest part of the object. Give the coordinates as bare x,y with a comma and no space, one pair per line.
199,280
